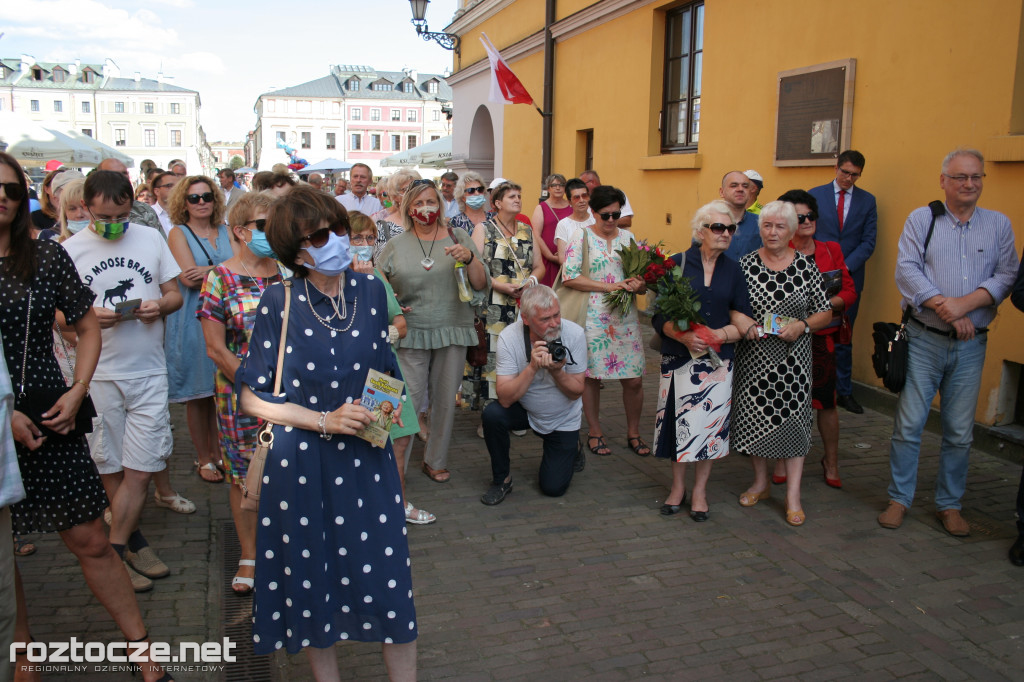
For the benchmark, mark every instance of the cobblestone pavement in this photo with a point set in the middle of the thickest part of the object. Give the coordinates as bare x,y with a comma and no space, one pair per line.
597,585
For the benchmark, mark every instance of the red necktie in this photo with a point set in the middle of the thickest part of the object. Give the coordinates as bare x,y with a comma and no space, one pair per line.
840,207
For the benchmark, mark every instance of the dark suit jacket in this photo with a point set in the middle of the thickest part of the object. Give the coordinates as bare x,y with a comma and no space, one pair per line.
859,229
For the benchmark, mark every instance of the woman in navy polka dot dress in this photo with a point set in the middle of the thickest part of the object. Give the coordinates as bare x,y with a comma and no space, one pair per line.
332,559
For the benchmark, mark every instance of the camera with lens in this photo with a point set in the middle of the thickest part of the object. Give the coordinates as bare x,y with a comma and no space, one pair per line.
557,351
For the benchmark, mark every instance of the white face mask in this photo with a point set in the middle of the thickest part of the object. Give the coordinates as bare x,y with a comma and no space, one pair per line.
76,226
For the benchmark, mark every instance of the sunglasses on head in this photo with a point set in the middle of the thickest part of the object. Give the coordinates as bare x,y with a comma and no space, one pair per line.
318,238
15,191
610,216
801,218
260,223
195,198
475,190
417,183
719,228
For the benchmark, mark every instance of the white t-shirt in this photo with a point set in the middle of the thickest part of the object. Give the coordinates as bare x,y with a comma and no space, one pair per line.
567,227
547,407
133,266
368,205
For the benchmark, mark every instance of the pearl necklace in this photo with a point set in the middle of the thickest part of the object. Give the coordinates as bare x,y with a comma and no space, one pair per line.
337,313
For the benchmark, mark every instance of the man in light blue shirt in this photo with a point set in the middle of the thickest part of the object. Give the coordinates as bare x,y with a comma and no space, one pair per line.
953,278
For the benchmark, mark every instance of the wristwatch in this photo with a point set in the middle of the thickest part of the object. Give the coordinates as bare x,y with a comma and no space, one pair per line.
807,327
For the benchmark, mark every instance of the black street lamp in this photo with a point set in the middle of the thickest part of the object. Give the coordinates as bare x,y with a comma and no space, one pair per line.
448,41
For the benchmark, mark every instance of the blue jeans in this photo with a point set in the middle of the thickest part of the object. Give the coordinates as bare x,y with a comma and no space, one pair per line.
953,369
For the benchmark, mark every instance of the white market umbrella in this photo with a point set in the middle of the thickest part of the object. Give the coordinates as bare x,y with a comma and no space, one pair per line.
105,150
434,154
34,145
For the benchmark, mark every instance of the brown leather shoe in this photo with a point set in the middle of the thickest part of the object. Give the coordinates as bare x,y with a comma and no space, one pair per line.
954,523
893,515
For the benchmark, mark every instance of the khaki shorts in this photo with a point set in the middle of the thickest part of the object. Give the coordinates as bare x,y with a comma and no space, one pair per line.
132,428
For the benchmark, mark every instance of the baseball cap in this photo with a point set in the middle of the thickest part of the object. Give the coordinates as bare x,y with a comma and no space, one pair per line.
755,177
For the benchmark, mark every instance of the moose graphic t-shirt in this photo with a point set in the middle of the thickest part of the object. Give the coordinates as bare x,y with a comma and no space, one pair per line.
132,267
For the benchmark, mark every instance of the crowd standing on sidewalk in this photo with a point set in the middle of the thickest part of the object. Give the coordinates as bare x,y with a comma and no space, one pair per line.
268,317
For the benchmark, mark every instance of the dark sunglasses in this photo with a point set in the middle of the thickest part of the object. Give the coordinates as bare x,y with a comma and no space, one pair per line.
165,185
195,198
417,183
801,218
260,223
475,190
610,216
719,228
319,238
15,191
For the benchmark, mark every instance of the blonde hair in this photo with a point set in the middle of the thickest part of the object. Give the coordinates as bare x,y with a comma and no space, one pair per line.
72,193
177,209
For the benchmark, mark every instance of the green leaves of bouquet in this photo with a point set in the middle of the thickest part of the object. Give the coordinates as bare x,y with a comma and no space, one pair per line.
677,300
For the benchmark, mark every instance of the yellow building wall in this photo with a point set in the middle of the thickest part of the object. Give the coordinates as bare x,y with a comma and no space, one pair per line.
927,81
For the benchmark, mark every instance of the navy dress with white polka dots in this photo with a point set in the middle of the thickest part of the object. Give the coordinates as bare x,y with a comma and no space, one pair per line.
62,486
332,559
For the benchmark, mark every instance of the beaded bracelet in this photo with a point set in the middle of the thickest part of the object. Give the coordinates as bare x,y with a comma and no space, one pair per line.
322,425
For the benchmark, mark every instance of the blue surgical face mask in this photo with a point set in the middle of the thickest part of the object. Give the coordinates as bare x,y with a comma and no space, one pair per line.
365,253
476,201
76,226
260,246
332,258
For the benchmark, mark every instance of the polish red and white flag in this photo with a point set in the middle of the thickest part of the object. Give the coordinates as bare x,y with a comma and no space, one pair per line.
505,85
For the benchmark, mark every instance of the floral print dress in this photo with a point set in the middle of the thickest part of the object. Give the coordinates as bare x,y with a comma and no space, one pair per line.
614,344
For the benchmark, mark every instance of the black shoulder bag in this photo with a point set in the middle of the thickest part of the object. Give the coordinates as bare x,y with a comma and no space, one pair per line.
34,402
889,358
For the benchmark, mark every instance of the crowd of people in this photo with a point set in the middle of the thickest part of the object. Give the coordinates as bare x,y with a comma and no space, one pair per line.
264,310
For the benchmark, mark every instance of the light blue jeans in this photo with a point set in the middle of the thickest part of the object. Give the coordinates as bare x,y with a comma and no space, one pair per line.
953,369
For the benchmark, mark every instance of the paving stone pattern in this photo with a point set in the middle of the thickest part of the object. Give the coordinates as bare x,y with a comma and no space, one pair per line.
597,585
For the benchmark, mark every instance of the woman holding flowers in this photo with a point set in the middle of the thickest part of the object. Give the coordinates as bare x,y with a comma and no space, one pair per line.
614,344
704,305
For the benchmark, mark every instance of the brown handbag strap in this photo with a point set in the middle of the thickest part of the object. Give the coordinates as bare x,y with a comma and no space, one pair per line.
284,335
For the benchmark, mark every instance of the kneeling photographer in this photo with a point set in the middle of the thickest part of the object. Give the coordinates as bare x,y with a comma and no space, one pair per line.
540,362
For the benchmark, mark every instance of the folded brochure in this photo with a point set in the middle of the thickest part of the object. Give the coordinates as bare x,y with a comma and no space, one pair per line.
381,395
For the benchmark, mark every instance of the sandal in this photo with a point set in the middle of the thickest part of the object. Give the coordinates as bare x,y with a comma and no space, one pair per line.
751,497
23,547
419,517
795,517
600,447
212,468
437,475
638,446
246,583
175,503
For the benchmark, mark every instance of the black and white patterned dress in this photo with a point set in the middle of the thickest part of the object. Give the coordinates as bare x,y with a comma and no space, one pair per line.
62,486
771,396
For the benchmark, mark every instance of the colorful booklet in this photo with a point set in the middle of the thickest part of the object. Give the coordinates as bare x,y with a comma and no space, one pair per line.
381,395
773,322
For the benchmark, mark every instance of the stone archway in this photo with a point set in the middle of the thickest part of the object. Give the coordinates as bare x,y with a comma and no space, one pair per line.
481,144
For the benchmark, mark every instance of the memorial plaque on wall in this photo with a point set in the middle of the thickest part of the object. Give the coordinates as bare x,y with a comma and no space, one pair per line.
814,118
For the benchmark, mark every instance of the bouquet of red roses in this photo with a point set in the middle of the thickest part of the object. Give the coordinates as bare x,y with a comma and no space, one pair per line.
677,301
639,259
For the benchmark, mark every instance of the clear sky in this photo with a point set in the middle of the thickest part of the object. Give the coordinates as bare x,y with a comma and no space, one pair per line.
230,52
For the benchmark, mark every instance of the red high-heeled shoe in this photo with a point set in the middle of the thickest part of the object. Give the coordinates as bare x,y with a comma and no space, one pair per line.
830,482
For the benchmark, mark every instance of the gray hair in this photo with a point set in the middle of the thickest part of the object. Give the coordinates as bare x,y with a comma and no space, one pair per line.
703,215
401,177
962,151
780,209
535,298
460,187
551,178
